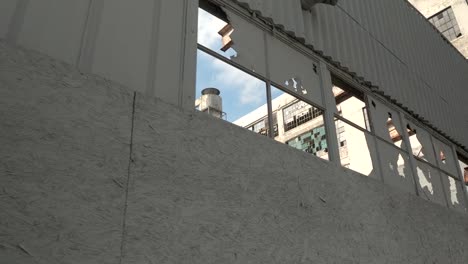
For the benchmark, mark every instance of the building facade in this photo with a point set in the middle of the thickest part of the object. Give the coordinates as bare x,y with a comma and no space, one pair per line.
101,128
361,132
399,69
450,17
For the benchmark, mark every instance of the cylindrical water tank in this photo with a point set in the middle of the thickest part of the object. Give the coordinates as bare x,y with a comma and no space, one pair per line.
211,102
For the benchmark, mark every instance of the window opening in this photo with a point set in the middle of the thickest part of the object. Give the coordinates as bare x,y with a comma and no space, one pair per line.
421,144
295,123
214,32
431,179
298,114
463,166
356,148
211,103
447,160
393,156
394,134
262,127
292,71
350,103
356,144
442,157
446,23
300,125
275,124
396,168
232,37
343,146
386,123
429,183
227,92
454,192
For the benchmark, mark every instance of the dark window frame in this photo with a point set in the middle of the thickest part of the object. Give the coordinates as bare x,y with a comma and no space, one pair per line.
449,27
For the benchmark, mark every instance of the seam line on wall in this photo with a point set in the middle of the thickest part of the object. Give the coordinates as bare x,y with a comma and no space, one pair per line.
386,48
85,57
151,75
416,76
17,21
83,34
130,161
182,55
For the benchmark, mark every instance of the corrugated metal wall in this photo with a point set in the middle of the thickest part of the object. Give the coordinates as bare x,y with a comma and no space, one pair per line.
389,44
386,42
140,44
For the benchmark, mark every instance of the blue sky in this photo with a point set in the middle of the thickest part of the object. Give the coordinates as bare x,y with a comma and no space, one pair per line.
241,92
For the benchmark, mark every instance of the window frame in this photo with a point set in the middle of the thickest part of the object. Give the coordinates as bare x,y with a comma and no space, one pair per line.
446,12
326,73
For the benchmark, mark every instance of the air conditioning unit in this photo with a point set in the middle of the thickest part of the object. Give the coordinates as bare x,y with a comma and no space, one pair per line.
308,4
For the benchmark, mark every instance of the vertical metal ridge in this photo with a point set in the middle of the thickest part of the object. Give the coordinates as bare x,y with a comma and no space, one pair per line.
154,46
17,21
89,36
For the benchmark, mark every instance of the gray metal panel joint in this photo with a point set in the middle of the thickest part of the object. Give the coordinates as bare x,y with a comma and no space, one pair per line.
308,4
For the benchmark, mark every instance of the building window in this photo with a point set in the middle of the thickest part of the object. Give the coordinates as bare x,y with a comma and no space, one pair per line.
223,89
446,23
314,142
299,113
355,139
463,163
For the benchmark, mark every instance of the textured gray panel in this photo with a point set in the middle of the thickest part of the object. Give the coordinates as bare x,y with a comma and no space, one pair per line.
64,141
122,48
205,191
56,33
7,10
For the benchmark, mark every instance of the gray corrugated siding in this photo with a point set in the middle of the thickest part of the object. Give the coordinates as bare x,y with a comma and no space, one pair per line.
389,44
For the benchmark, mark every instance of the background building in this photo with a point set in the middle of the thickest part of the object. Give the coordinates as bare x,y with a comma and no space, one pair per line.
301,126
450,17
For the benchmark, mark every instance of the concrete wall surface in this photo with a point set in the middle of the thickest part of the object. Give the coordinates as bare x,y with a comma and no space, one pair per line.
91,173
64,147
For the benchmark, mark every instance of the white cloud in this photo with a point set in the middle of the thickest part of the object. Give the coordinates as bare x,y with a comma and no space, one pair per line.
251,90
208,27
